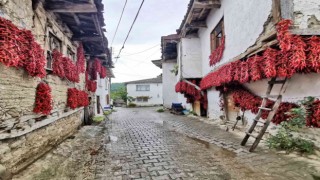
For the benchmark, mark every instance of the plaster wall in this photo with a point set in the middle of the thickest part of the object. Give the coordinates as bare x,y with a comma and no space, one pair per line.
169,82
191,57
306,14
243,23
155,94
102,92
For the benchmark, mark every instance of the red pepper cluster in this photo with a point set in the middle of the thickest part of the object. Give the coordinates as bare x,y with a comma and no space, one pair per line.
90,85
43,102
64,67
314,114
247,101
81,60
191,93
18,48
296,55
103,72
77,98
216,55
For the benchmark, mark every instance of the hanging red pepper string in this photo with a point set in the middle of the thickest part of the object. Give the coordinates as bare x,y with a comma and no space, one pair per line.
43,103
18,48
296,54
77,98
217,54
81,60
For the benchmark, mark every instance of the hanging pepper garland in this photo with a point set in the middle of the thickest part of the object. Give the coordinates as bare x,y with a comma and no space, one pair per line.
18,48
81,60
296,55
77,98
64,67
43,103
103,72
191,93
216,55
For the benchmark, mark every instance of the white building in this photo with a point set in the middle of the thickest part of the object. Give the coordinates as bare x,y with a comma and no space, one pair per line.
249,28
146,92
102,95
169,67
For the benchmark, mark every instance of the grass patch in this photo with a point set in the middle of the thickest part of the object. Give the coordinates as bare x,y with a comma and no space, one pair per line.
132,105
107,112
160,110
98,118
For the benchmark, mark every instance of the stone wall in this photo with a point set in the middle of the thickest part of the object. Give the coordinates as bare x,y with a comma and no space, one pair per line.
17,153
24,136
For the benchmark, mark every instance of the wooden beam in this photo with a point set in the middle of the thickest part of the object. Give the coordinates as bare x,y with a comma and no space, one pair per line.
76,19
71,8
97,24
207,4
89,38
198,24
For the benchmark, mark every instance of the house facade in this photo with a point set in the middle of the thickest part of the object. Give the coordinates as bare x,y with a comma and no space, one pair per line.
146,92
51,53
103,100
226,49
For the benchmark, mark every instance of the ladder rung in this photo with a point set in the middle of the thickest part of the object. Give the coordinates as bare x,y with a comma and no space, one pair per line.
251,135
277,82
259,121
264,108
270,96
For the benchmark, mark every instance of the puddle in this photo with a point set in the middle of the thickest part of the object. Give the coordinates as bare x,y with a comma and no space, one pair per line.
113,138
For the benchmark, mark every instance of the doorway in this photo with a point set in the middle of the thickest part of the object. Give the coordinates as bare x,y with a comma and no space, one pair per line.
98,105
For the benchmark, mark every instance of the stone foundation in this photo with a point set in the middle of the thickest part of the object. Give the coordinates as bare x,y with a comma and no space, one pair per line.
18,153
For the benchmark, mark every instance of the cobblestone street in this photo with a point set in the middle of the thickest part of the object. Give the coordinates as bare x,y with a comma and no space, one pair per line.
140,143
145,145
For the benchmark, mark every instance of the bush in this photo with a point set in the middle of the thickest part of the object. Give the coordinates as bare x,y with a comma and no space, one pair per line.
98,118
132,105
107,112
284,139
160,110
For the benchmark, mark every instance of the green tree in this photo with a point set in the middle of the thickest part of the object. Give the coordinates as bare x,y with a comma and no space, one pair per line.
120,93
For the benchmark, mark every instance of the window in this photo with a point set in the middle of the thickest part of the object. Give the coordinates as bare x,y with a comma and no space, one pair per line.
216,35
142,87
142,99
71,54
54,43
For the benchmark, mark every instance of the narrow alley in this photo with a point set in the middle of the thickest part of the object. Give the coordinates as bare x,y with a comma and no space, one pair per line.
140,143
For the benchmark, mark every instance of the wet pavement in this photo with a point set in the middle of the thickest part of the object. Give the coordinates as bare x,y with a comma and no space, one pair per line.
151,145
140,143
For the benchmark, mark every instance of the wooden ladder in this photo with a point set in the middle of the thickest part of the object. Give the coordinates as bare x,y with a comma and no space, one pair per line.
272,112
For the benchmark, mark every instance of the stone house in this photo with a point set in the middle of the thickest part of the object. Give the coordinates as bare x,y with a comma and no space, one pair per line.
51,52
145,92
230,50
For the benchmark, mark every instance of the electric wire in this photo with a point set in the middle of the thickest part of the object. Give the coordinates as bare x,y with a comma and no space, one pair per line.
142,51
135,19
115,33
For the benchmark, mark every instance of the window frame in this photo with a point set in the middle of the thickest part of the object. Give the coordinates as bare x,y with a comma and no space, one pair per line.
215,41
141,89
49,58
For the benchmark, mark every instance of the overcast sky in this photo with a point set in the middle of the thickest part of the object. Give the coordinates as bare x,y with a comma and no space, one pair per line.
157,18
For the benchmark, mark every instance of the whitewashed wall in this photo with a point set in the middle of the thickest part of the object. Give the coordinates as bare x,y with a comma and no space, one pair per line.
169,81
102,92
191,57
306,14
243,23
155,93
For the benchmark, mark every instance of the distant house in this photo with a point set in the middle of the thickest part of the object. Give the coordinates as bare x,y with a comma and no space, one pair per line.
146,92
169,67
102,95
